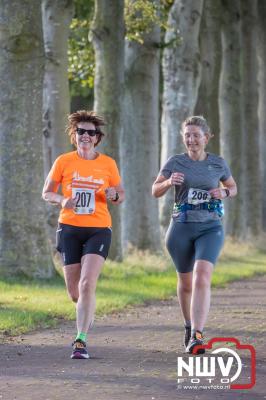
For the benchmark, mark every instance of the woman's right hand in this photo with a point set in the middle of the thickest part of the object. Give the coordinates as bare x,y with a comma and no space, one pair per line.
177,178
162,184
68,202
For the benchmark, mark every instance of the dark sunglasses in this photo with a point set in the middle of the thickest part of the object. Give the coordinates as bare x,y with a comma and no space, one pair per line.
90,132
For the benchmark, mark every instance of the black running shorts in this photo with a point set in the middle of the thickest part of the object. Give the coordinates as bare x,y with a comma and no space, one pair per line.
73,242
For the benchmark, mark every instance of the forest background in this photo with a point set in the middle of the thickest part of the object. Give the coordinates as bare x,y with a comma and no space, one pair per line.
145,66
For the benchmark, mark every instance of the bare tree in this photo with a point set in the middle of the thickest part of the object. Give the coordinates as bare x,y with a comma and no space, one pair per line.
108,41
262,101
230,105
253,198
56,18
140,149
181,73
210,56
23,243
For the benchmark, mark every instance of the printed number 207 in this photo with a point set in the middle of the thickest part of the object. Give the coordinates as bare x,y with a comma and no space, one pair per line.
83,199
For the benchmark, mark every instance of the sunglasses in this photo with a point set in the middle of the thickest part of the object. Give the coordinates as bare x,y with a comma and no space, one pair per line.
90,132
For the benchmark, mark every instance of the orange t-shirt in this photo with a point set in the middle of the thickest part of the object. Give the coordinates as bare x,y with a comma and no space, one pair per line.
86,180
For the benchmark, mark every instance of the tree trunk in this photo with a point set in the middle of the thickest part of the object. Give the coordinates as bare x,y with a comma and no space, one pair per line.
262,101
253,198
231,134
210,55
108,41
23,243
56,18
181,73
140,150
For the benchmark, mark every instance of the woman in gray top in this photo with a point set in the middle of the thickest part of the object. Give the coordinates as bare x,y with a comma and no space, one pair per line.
195,235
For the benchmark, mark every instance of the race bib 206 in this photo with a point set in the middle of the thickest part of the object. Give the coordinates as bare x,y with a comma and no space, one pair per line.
198,196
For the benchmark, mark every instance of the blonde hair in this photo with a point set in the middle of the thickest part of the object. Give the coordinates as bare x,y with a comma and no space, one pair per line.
197,120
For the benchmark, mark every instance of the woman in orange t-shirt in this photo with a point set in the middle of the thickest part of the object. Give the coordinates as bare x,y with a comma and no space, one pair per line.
88,179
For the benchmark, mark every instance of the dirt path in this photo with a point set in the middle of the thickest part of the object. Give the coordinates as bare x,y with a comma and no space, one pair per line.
134,353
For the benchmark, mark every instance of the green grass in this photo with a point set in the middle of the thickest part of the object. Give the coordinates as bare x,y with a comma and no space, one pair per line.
26,305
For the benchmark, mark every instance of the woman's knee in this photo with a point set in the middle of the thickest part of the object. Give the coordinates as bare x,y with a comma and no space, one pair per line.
87,286
202,279
73,293
202,273
185,282
72,275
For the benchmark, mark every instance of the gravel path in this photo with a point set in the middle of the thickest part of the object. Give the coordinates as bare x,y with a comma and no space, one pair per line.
133,353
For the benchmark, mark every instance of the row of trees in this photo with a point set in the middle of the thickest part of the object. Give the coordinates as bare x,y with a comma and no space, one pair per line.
156,62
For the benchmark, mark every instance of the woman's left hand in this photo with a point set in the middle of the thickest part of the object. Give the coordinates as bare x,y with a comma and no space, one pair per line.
110,193
218,193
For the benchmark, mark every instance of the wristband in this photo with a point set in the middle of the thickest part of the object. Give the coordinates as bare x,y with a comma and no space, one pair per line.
227,192
116,197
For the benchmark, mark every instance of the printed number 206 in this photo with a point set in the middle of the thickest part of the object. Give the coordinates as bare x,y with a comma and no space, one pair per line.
199,195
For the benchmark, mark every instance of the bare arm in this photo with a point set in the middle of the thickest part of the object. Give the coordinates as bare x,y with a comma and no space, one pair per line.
49,194
162,184
222,193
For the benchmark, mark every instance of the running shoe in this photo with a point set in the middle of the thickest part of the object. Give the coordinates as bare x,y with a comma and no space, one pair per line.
195,340
79,350
187,335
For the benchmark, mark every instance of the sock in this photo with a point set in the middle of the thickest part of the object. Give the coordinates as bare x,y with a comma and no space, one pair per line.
187,324
82,336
